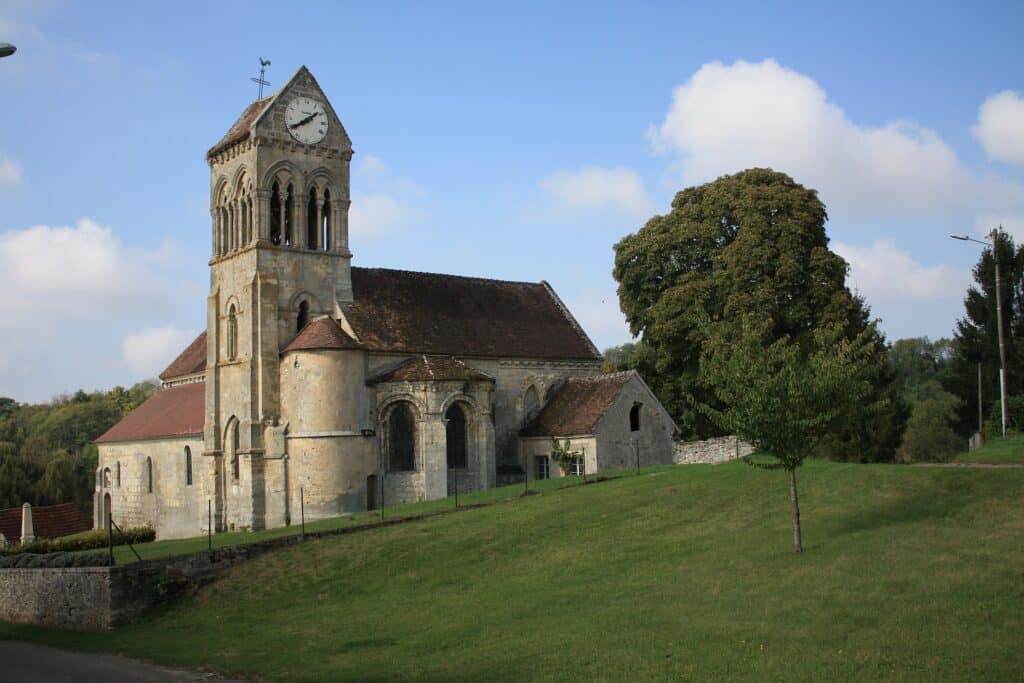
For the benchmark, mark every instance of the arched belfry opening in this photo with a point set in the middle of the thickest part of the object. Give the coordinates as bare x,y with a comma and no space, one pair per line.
312,217
325,222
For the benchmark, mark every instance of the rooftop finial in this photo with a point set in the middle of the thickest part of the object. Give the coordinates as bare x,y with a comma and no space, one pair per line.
264,63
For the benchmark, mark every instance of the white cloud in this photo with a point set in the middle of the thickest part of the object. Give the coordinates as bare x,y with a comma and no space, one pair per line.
371,165
82,271
150,351
727,118
1000,127
1010,223
375,215
10,174
599,315
596,188
885,273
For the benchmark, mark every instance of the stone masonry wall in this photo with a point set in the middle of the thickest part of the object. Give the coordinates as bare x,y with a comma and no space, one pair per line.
711,451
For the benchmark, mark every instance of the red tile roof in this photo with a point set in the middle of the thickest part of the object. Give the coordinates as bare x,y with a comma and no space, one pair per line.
48,521
431,368
240,130
189,362
577,406
172,412
322,333
429,313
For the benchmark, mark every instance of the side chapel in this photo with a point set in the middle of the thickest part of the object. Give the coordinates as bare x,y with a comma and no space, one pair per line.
356,386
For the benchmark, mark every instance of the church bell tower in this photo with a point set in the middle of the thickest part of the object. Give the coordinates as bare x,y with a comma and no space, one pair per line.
279,200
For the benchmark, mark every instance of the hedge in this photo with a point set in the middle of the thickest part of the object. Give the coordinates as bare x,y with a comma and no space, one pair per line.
52,560
88,540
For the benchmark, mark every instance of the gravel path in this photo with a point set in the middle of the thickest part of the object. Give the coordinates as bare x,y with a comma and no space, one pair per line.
31,663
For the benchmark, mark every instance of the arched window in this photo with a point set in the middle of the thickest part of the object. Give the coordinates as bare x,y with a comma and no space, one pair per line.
188,466
634,418
231,333
312,229
149,475
276,217
531,404
289,212
106,477
234,450
325,237
455,433
401,439
303,318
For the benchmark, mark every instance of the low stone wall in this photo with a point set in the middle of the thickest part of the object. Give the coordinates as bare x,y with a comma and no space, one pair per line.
77,597
710,451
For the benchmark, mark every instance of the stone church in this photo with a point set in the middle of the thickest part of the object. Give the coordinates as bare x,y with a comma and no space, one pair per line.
352,387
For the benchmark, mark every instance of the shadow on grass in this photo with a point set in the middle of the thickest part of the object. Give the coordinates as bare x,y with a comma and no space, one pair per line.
909,508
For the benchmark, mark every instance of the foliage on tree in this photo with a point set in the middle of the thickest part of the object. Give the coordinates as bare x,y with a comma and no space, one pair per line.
976,339
562,454
782,396
929,436
46,450
749,243
618,358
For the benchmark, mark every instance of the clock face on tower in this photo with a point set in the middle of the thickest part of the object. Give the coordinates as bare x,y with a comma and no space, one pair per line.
306,120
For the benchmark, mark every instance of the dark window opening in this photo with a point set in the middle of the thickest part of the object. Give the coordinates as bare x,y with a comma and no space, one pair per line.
149,474
455,432
325,241
234,450
311,220
288,215
119,474
634,418
275,214
188,466
401,439
303,318
542,466
232,333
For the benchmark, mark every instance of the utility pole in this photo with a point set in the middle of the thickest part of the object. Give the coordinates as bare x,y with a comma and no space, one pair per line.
999,321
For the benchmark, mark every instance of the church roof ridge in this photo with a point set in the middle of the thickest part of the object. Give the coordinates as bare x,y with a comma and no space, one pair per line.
476,278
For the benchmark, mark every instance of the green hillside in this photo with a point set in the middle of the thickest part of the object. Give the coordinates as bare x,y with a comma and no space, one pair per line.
680,573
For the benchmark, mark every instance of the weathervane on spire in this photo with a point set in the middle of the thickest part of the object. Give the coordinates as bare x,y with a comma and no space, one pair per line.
264,63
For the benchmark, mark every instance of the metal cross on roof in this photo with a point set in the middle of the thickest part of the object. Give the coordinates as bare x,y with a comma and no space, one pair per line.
264,63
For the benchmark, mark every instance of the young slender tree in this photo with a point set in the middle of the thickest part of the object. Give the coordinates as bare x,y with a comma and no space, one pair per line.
780,397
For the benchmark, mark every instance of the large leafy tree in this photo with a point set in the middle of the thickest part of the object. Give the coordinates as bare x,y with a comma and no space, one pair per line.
976,339
781,397
753,242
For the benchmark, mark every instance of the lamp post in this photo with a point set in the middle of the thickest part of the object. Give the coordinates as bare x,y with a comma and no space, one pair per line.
6,49
994,236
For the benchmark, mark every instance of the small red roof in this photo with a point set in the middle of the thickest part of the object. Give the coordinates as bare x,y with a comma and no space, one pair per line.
48,521
431,369
189,362
322,333
577,406
172,412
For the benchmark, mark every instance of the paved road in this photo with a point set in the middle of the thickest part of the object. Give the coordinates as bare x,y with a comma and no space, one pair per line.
30,663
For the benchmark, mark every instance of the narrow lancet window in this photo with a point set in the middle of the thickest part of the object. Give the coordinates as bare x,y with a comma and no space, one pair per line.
325,241
276,216
303,318
401,439
455,431
311,218
231,333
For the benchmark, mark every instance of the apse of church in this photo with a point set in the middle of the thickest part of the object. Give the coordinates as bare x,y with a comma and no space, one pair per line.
349,386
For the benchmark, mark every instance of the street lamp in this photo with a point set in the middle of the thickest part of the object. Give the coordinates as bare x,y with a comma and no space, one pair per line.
6,49
994,235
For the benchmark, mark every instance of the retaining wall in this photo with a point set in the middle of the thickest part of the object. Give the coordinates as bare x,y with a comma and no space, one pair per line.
710,451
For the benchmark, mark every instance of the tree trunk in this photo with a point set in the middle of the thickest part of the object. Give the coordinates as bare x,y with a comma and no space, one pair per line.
797,541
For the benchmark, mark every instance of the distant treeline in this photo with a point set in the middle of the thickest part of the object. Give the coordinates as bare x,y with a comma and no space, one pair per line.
46,450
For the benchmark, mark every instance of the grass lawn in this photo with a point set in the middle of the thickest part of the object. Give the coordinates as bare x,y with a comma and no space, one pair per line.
997,452
158,549
682,573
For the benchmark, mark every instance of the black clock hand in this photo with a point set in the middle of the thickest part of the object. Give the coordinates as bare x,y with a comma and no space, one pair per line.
305,120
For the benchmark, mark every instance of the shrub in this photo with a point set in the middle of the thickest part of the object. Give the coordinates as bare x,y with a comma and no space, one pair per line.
1014,417
53,560
85,541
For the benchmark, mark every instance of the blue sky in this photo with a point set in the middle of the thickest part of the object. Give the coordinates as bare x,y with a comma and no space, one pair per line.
517,141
